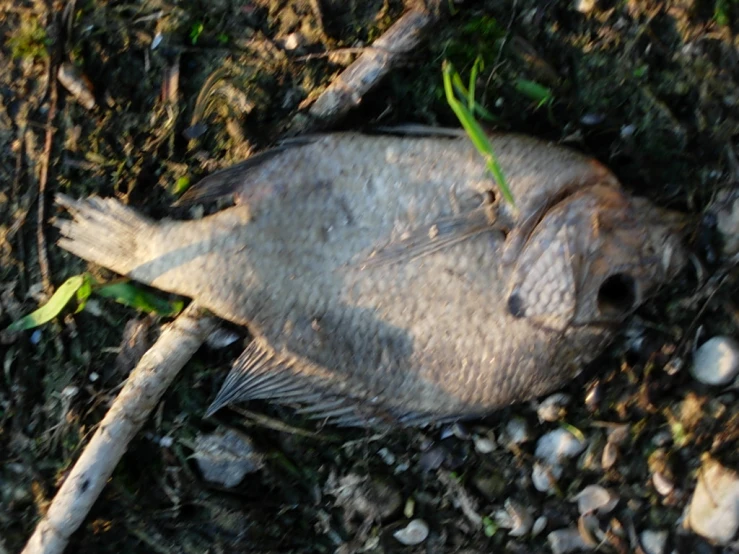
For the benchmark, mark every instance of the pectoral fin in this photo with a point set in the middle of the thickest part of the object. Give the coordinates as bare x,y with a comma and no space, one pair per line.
428,239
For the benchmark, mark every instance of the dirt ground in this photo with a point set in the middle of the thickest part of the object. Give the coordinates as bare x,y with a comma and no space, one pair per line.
647,87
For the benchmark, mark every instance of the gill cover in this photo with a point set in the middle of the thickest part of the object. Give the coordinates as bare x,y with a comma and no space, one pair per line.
590,259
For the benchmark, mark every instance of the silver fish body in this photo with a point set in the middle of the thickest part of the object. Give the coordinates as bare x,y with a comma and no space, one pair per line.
383,278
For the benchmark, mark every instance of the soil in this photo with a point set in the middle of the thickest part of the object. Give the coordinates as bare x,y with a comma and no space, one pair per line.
183,88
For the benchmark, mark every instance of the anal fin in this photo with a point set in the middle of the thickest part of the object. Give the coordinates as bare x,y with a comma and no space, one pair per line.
261,374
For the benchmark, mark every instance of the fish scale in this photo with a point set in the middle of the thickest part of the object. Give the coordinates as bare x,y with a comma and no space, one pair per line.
385,281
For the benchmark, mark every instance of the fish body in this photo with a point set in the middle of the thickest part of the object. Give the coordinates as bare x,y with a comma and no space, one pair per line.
385,280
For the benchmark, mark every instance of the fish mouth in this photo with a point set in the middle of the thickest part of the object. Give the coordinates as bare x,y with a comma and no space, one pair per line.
618,295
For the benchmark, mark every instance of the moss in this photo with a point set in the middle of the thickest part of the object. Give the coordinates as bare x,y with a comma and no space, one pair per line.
29,41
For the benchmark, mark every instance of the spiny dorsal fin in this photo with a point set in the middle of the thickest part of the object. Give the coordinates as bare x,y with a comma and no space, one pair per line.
235,179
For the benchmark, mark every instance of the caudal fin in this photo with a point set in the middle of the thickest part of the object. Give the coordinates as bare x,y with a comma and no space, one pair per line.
102,231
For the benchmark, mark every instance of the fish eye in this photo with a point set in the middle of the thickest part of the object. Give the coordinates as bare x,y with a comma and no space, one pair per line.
617,295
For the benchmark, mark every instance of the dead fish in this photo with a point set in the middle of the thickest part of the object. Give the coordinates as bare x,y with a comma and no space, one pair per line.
386,282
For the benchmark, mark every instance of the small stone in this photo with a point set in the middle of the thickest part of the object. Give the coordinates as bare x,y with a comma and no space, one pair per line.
539,525
558,445
716,362
226,458
70,392
544,477
554,407
628,131
374,499
592,119
714,507
484,445
662,484
618,434
585,6
514,517
653,542
518,431
563,541
293,41
596,499
412,534
387,456
77,84
610,456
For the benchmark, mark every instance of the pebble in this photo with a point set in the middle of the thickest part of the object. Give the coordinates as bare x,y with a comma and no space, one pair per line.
544,477
539,525
596,499
412,534
554,407
716,362
585,6
558,445
484,445
563,541
653,542
293,41
518,431
662,484
77,84
515,517
714,508
610,456
226,458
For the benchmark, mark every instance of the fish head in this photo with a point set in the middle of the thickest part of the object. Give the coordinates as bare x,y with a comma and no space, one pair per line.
593,258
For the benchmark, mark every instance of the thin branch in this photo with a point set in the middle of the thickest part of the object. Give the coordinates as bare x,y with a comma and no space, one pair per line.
386,53
144,388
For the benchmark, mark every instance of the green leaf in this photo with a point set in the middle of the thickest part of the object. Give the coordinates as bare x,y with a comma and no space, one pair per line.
181,185
84,292
52,308
130,295
195,31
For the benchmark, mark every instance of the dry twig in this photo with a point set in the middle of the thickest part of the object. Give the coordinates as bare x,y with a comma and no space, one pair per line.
144,387
386,53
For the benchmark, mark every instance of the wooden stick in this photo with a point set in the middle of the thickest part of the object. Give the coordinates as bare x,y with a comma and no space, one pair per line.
393,47
145,386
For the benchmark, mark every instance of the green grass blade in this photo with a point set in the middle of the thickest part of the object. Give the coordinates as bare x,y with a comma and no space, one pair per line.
534,91
476,67
130,295
52,308
474,131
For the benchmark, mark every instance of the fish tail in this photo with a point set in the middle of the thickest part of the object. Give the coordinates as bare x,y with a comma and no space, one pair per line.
102,231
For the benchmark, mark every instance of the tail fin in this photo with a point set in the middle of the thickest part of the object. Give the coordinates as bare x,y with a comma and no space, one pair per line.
102,231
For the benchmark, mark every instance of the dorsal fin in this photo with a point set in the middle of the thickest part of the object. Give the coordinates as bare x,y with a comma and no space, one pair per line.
232,180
